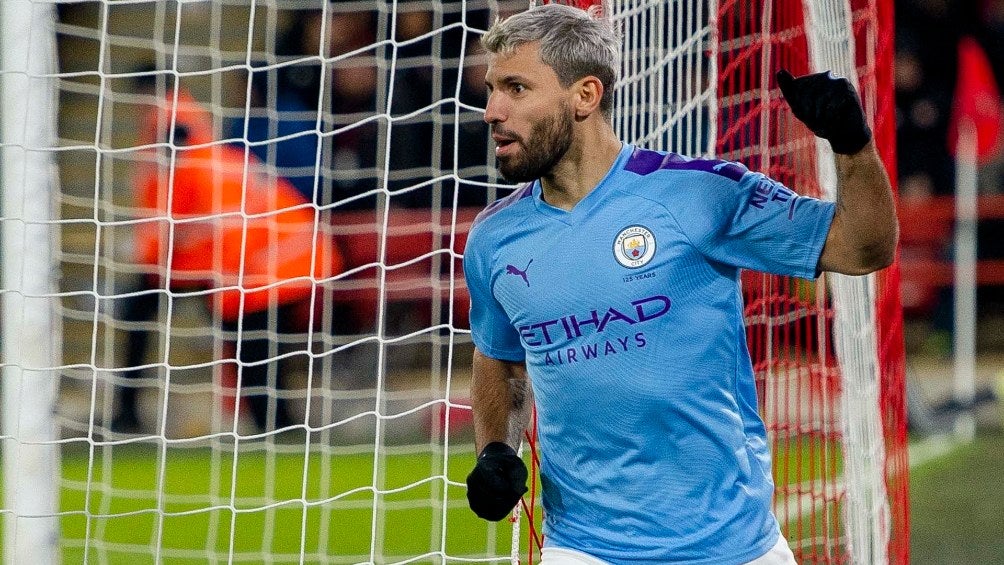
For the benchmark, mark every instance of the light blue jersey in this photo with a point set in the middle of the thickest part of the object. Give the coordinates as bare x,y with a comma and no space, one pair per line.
628,312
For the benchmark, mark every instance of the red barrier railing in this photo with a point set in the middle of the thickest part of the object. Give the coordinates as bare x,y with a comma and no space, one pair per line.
926,234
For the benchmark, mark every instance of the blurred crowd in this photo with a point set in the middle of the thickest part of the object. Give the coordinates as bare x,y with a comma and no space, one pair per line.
928,36
331,83
330,119
949,66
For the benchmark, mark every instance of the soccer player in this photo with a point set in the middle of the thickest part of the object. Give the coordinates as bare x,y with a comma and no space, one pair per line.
610,281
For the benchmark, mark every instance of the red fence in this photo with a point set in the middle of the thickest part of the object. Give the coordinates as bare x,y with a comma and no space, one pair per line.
926,240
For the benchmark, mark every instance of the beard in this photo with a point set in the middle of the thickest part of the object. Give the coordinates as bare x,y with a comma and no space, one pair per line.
548,142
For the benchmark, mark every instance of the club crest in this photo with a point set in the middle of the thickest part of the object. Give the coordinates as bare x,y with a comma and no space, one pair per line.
634,247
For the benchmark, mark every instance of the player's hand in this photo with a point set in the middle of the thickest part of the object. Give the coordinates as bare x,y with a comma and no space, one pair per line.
497,482
831,108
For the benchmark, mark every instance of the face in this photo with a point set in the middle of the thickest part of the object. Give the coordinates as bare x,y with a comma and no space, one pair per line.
529,113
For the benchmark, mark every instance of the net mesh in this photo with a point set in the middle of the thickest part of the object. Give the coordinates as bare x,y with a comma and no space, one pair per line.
368,115
822,382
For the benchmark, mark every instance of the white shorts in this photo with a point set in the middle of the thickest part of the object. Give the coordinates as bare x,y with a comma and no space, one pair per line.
562,556
780,554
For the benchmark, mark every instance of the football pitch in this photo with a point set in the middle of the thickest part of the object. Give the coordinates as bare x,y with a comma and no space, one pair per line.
193,504
198,506
954,500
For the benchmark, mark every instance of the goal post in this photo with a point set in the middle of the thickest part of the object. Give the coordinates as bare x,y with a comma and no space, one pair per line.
30,327
367,116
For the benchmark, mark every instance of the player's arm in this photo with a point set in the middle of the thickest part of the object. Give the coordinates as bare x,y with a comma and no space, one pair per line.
863,234
500,399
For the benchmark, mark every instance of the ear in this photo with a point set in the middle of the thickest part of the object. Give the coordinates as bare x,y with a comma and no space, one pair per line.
588,93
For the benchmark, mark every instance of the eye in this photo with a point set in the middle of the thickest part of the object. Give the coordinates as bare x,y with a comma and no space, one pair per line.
517,88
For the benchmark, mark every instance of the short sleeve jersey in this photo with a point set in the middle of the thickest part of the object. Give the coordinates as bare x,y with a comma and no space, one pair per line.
628,312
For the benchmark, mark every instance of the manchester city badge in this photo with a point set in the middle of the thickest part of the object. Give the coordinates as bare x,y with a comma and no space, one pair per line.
634,246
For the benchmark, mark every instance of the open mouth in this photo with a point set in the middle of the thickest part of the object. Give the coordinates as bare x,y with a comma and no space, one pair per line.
504,145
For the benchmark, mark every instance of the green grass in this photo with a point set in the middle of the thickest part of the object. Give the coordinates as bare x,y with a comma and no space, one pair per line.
111,512
957,502
205,518
957,506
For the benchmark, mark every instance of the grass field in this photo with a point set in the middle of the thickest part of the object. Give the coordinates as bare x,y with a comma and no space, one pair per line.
277,505
956,506
274,504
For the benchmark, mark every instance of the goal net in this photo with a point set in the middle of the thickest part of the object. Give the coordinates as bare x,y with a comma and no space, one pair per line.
234,320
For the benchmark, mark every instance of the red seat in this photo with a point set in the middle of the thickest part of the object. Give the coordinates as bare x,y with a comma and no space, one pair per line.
403,259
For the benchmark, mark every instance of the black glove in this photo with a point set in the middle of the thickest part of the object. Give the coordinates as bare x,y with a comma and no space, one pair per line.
497,482
830,107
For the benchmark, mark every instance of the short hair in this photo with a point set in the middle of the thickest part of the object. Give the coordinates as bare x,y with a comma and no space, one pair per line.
572,42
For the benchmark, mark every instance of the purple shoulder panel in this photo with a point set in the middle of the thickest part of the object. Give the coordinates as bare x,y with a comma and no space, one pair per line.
502,203
644,161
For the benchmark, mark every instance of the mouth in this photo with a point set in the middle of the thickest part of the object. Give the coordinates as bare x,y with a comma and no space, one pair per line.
504,145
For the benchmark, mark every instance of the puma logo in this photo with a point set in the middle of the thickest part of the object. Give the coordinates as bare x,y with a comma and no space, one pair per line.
513,270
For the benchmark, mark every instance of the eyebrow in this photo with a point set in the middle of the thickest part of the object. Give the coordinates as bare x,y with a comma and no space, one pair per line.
509,79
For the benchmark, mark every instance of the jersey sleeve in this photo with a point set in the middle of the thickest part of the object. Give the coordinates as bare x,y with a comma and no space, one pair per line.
491,330
757,223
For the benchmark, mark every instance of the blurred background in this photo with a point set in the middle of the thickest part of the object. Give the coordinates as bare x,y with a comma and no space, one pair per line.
948,68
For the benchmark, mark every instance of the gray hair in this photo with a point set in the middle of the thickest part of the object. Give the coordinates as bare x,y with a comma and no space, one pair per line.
572,42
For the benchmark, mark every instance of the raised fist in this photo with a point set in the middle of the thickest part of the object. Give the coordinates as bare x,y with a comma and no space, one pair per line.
830,107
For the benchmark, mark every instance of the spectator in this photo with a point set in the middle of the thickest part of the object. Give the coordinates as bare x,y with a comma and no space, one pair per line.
442,129
928,39
217,223
287,116
282,127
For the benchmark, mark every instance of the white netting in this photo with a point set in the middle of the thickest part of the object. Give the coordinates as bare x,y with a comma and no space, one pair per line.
372,112
866,512
669,56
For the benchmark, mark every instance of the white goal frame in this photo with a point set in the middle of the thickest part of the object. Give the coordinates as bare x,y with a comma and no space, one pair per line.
30,352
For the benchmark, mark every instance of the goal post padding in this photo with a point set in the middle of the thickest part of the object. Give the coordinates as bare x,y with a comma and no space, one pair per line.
28,302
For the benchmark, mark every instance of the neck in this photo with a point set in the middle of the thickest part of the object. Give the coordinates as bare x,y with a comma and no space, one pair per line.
582,168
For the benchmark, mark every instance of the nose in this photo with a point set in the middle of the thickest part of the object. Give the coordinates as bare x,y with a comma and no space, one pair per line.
494,112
